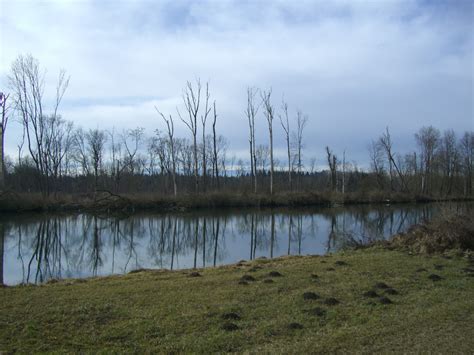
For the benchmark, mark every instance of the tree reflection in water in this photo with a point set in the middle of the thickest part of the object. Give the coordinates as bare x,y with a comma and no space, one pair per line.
36,248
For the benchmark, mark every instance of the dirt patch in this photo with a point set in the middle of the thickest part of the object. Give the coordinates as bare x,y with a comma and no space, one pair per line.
434,277
310,296
247,278
391,291
385,300
295,326
371,294
381,285
195,274
274,274
453,232
318,312
231,316
331,301
230,327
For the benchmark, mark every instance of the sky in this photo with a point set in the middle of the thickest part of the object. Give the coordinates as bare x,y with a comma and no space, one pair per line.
353,67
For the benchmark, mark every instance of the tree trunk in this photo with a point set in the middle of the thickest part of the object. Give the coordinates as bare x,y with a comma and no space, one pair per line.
2,165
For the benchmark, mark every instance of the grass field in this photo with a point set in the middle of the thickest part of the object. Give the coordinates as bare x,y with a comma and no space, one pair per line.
318,304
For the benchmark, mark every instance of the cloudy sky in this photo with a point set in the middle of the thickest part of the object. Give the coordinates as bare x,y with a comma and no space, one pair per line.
354,67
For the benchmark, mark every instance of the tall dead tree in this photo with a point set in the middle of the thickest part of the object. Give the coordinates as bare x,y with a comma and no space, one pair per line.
170,125
95,145
285,124
27,82
215,163
466,148
332,162
301,121
192,101
3,127
386,142
269,115
428,139
377,162
251,113
204,116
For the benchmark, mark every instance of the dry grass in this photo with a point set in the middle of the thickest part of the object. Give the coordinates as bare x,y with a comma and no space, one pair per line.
448,232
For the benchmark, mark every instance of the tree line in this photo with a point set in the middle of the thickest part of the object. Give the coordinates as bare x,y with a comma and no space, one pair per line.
53,156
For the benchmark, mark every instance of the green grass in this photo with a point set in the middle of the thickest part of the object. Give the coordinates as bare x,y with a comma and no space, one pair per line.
163,311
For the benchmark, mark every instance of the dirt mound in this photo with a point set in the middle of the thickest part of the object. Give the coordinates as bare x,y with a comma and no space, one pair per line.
454,232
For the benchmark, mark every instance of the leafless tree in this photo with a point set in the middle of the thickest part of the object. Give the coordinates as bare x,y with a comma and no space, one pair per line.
192,101
132,140
449,159
386,142
285,124
269,115
332,162
95,145
215,164
301,121
170,126
428,139
251,113
3,127
377,162
466,148
204,116
27,82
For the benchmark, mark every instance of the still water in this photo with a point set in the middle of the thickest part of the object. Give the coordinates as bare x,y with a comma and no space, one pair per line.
37,247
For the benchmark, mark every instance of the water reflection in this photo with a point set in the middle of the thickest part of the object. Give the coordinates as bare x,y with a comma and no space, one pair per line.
35,248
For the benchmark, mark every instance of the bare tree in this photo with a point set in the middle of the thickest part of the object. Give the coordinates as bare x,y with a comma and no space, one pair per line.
170,125
301,121
192,101
332,162
285,124
466,148
386,142
27,82
428,139
95,145
449,159
132,140
204,116
251,113
215,164
377,162
3,128
269,114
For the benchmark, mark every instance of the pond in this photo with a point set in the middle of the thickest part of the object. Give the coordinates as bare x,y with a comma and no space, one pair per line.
37,247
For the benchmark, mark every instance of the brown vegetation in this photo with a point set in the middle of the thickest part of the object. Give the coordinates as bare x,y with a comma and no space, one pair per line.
452,232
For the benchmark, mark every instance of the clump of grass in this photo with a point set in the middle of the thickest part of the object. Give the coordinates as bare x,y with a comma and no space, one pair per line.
451,232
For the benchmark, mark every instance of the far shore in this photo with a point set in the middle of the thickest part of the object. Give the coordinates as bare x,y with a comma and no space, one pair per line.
105,201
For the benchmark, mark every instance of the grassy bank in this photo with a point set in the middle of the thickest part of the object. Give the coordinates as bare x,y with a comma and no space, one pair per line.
106,201
318,304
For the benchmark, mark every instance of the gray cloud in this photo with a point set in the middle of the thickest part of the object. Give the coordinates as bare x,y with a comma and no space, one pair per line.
353,67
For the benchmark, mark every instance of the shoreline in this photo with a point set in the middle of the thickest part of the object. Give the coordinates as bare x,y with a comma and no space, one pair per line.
104,201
